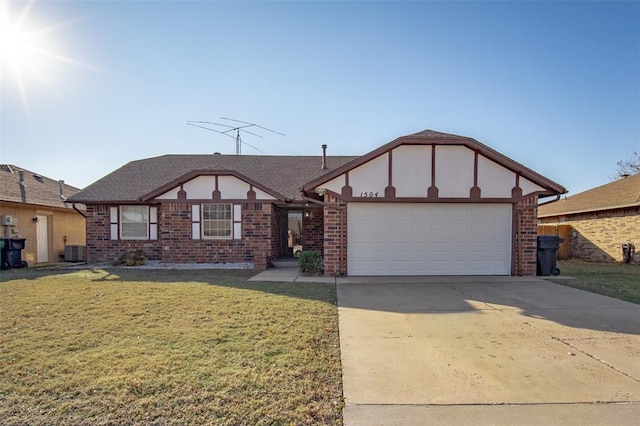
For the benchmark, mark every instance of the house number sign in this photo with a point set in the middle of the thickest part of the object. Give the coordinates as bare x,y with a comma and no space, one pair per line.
369,194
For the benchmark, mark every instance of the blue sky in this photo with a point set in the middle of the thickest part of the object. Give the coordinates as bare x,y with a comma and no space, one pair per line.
553,85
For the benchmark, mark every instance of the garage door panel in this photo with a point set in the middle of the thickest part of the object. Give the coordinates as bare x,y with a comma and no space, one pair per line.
429,239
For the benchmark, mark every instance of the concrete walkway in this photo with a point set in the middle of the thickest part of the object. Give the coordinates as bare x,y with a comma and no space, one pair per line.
287,272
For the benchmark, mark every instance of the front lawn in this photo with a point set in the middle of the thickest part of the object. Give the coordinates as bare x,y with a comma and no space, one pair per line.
609,279
127,346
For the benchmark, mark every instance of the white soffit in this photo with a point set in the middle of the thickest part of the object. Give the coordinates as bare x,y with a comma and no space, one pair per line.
202,187
411,170
454,171
232,188
170,195
335,184
371,177
529,187
494,180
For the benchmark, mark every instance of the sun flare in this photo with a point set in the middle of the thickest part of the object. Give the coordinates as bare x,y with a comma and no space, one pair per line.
14,46
28,50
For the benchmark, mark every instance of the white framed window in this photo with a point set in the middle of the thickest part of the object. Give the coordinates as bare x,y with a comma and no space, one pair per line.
217,220
134,222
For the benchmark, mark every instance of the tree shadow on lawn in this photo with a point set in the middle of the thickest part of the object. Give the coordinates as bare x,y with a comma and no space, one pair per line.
233,278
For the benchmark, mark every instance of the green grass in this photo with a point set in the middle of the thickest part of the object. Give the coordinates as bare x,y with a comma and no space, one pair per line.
609,279
163,347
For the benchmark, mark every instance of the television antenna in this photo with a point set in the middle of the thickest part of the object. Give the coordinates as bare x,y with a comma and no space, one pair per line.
235,130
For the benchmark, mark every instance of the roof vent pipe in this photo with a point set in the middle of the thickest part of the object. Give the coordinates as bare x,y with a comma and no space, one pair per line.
324,157
21,172
62,197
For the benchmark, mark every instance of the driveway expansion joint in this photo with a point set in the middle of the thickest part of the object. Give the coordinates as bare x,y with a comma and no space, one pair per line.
566,342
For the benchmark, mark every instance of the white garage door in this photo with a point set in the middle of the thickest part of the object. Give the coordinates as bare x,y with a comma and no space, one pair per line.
429,239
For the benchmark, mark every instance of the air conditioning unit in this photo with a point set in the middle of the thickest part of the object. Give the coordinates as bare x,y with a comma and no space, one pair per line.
75,253
9,220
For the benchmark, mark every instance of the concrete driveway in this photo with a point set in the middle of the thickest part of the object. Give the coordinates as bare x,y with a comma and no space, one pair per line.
488,350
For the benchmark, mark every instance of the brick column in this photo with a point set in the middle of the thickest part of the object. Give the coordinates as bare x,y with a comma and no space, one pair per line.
335,237
526,236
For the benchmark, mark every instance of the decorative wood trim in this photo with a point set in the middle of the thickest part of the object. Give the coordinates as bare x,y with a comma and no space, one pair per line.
432,191
221,200
216,195
515,238
427,200
251,194
390,190
516,191
153,222
475,191
182,194
204,172
443,139
237,221
347,190
114,213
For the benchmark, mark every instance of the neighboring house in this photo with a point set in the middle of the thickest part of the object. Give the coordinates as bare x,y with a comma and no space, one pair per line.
40,214
598,221
430,203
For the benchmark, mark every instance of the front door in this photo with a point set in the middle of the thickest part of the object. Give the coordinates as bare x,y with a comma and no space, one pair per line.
294,233
42,239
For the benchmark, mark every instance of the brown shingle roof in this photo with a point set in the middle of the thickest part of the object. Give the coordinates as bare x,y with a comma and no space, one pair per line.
622,193
282,174
37,190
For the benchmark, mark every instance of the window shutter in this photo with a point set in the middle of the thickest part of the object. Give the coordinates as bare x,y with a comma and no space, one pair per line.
153,223
113,220
195,221
237,222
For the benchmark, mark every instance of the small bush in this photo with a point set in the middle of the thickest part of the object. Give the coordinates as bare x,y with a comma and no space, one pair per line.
130,259
310,263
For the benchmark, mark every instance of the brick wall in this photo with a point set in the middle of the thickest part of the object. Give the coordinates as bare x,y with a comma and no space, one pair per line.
313,230
598,236
525,250
335,237
278,222
179,247
175,243
100,246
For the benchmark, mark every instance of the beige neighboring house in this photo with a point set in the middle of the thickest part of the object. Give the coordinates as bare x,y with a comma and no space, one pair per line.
597,221
34,207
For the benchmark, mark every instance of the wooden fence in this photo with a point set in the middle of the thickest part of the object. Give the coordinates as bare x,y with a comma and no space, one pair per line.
562,231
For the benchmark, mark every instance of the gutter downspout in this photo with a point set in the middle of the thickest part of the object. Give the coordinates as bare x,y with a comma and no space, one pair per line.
519,211
76,209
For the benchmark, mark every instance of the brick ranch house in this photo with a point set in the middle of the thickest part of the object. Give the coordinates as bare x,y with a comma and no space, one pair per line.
34,207
595,223
429,203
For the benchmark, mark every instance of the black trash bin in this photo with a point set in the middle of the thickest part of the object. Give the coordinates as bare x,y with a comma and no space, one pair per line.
11,256
628,250
547,251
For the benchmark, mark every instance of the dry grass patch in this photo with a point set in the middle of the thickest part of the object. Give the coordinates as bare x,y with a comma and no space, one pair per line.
166,347
621,281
